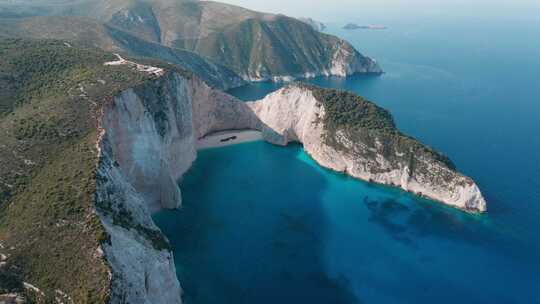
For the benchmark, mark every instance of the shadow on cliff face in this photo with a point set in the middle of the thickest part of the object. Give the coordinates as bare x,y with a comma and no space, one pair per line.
250,232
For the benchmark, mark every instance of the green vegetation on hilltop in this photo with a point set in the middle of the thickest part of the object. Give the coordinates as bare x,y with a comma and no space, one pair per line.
49,118
276,46
52,226
345,109
364,121
31,69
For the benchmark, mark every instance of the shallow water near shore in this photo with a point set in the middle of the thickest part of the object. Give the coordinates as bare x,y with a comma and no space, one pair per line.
265,224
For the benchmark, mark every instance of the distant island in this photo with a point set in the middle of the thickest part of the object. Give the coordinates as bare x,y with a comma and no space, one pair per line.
354,26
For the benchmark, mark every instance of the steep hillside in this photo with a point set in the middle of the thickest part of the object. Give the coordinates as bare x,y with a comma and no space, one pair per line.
88,32
255,45
282,48
49,231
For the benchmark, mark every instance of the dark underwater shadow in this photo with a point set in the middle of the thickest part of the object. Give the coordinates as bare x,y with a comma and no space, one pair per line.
248,236
408,223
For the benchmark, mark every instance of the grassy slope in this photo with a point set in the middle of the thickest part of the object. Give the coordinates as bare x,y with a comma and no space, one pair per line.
89,32
83,31
246,41
280,46
47,169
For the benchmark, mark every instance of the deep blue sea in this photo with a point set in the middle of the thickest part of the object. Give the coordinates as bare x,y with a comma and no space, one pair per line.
265,224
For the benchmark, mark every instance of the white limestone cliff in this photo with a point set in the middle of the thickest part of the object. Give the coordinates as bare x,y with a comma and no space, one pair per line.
148,142
141,272
347,61
294,114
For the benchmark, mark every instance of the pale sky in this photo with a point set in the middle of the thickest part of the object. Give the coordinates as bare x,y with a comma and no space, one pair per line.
337,10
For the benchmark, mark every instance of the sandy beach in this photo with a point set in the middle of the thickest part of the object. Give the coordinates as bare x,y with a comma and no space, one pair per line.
227,138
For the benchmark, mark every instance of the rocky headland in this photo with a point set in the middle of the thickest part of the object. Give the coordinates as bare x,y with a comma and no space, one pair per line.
346,133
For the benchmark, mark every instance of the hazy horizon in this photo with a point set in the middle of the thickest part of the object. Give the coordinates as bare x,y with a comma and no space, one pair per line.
373,11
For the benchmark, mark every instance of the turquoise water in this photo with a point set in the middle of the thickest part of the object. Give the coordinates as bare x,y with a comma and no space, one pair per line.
263,224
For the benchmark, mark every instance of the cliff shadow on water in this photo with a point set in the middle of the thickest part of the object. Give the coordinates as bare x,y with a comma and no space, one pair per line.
247,233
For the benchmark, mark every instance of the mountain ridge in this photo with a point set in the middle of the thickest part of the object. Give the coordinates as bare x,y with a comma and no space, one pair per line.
87,32
225,36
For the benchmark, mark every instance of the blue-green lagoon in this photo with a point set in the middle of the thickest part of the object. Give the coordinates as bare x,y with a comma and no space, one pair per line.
265,224
280,229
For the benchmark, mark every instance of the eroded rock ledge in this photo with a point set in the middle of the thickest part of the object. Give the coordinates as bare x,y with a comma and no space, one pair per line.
148,142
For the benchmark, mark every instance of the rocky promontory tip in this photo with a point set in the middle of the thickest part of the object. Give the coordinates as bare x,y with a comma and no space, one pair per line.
346,133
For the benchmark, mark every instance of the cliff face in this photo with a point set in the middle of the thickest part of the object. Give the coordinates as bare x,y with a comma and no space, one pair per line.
149,129
147,143
347,61
282,49
374,151
50,234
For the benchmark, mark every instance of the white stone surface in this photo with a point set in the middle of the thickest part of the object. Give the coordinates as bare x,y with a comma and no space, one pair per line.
140,272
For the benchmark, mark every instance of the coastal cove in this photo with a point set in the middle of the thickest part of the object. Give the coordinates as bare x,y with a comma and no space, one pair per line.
254,151
265,224
260,229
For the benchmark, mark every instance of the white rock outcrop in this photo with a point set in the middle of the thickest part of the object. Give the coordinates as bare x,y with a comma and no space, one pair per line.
294,114
347,61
